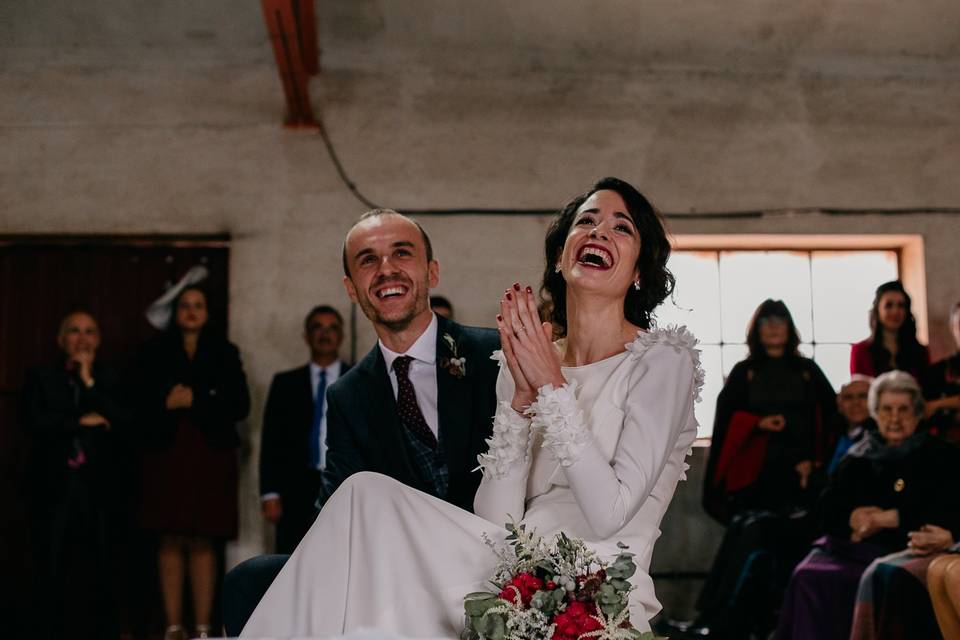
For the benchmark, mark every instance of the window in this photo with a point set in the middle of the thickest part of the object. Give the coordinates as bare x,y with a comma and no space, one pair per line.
828,292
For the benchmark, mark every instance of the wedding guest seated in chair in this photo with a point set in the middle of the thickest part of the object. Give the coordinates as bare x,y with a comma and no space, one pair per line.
892,483
853,420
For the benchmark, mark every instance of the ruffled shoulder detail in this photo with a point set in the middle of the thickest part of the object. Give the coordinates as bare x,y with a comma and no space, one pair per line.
680,339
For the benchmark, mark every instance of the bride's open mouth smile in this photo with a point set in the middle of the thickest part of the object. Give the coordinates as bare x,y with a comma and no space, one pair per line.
595,257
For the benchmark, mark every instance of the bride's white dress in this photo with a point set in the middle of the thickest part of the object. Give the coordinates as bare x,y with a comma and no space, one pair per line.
600,461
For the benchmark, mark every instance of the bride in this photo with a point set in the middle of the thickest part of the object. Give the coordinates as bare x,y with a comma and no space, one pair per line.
589,437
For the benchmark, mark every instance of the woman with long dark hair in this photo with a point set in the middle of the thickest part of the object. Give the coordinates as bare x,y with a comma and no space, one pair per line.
192,393
893,340
613,401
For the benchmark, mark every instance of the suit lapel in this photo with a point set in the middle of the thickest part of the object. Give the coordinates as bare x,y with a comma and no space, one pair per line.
454,399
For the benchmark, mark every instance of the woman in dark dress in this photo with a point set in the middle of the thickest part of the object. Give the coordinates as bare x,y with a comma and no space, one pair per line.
893,340
941,388
193,392
893,482
73,415
766,459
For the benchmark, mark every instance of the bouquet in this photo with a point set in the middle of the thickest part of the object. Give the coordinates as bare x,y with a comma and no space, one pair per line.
556,590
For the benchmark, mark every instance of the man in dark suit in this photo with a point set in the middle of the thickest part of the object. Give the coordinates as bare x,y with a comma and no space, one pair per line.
293,438
418,407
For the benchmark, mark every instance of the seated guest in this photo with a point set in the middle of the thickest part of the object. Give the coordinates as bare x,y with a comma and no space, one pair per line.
943,581
293,439
893,340
72,415
853,422
941,388
892,599
441,306
891,483
769,440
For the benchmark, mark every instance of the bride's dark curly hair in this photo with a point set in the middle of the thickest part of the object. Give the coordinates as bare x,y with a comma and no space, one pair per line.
656,281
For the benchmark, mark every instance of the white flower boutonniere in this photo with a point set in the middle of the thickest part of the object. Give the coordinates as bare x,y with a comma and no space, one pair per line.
455,365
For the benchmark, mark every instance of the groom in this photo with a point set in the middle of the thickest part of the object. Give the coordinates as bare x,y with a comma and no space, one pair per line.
418,407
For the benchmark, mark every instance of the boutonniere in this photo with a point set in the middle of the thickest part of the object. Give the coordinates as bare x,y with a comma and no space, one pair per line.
456,365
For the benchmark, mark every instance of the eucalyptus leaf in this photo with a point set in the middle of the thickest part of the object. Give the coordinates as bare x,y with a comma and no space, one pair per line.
476,604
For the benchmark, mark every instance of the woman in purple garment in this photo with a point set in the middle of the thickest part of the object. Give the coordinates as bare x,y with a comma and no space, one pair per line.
891,483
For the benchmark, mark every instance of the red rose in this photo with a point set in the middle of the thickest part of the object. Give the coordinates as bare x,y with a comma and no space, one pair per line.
527,584
575,620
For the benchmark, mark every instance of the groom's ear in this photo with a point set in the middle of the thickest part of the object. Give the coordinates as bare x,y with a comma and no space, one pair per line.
351,290
433,273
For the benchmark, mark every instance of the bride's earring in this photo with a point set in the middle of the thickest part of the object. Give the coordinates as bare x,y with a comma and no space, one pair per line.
557,268
636,284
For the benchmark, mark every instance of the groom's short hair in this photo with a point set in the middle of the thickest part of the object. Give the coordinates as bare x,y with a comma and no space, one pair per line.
374,213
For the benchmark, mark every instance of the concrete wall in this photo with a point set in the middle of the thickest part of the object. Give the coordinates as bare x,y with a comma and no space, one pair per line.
119,116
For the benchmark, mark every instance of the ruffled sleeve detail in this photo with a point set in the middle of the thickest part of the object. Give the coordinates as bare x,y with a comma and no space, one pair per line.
680,339
565,432
509,444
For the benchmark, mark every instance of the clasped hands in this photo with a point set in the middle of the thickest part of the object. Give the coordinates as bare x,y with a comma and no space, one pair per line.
180,397
867,521
527,346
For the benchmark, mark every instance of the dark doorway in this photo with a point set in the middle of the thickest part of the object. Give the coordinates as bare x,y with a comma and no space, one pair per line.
115,278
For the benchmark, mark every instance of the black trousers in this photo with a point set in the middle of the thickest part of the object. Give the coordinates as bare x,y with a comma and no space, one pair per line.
74,573
757,554
244,586
299,511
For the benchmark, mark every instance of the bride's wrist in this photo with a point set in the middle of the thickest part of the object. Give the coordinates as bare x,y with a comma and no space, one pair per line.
521,403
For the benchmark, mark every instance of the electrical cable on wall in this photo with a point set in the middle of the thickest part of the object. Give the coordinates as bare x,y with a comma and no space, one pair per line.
693,215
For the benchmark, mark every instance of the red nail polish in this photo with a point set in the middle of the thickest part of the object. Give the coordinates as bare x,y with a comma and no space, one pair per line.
499,318
509,296
516,286
529,290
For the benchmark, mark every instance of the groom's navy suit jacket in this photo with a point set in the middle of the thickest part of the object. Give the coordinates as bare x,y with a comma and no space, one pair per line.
364,432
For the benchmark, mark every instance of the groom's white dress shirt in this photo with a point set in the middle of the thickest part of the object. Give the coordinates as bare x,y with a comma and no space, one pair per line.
423,373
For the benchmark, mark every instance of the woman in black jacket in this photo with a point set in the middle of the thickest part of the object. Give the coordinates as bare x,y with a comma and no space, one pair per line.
192,393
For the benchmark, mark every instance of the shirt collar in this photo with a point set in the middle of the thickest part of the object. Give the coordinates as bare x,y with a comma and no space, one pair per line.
423,349
332,368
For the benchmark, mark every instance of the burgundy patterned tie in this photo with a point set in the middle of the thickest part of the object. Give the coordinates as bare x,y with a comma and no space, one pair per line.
407,406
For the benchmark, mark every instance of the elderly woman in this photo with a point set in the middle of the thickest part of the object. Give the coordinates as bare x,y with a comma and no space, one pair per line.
890,484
